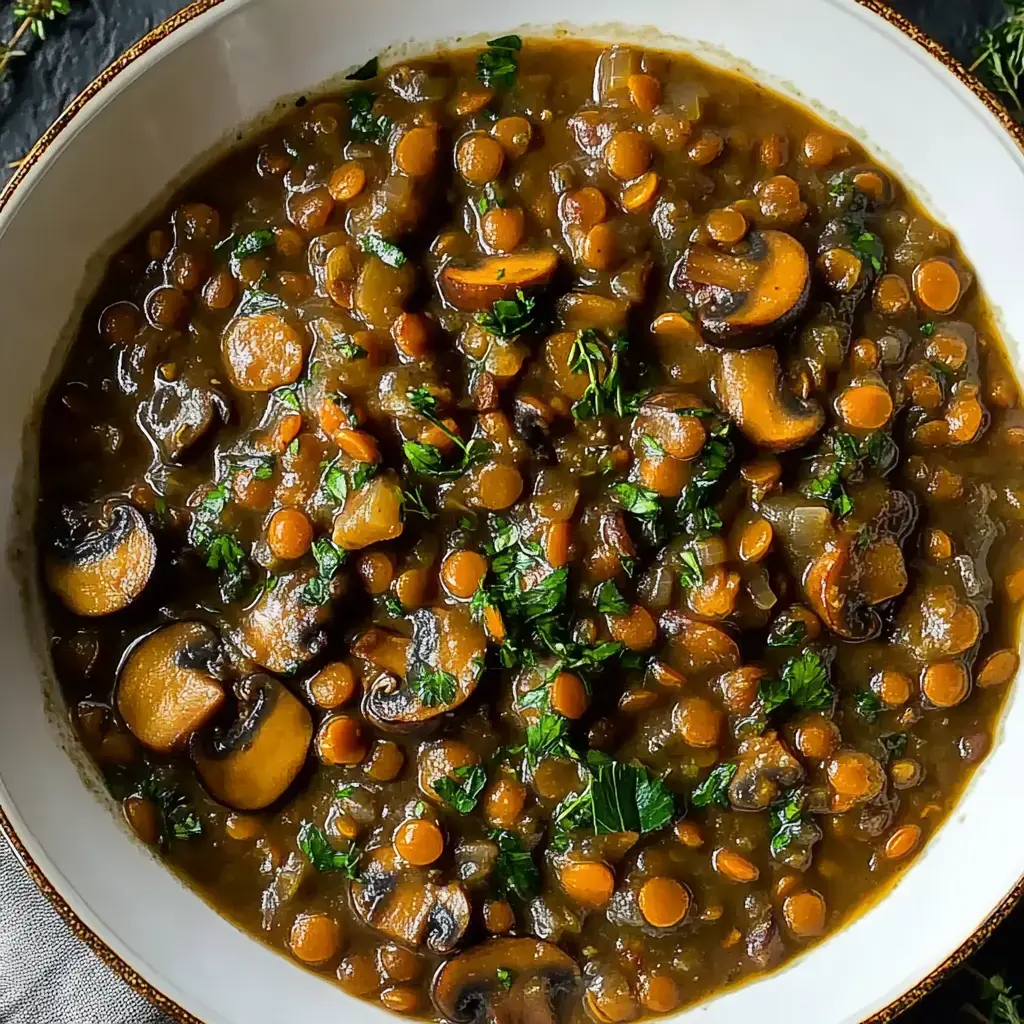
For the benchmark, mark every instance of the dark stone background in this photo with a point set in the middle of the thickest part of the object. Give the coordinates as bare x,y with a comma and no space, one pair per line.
40,85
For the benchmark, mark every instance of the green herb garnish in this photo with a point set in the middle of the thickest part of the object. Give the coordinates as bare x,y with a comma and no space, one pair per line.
428,460
433,686
609,600
498,64
364,126
462,788
318,851
1000,53
787,633
220,550
868,704
715,788
329,559
869,248
515,872
787,822
803,682
387,252
508,317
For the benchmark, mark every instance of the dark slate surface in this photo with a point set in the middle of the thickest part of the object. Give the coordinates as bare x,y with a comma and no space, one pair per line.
41,85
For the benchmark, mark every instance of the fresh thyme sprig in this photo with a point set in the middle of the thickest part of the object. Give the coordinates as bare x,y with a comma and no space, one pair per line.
30,16
1000,54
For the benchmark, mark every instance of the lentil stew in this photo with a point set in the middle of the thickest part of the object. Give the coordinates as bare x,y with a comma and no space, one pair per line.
538,535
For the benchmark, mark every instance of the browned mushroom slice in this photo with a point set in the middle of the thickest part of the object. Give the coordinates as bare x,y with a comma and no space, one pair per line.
829,585
169,685
107,568
282,630
739,298
443,665
765,767
178,414
478,286
470,988
405,905
609,998
252,763
748,385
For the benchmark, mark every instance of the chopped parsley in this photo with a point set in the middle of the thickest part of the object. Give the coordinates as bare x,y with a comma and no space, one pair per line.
609,600
504,976
715,788
318,851
695,512
515,872
329,559
387,252
547,737
433,686
843,452
588,354
787,633
894,743
255,300
429,460
619,797
344,345
928,328
498,65
250,244
220,550
508,317
414,505
643,503
366,127
868,704
690,574
489,199
804,682
869,248
462,788
788,824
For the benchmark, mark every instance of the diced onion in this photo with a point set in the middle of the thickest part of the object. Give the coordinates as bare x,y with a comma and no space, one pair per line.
760,590
611,75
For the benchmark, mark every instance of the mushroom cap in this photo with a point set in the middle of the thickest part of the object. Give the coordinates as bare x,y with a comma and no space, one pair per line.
748,386
169,685
250,764
105,569
443,641
403,903
282,631
745,299
468,982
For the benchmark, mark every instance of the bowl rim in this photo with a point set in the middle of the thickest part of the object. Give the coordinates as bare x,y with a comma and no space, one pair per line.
159,34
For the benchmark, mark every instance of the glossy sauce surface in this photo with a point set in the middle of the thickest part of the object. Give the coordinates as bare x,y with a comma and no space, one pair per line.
543,527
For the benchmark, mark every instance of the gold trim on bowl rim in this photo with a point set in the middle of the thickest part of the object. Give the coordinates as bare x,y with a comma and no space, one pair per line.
82,931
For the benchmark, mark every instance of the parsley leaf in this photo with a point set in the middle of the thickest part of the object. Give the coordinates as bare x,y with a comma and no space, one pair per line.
498,64
715,788
787,823
928,328
869,248
804,683
433,686
318,851
462,788
690,573
364,126
547,737
428,460
347,347
868,704
220,550
387,252
329,559
255,300
414,505
787,633
619,797
509,317
177,819
514,868
251,244
610,601
504,976
894,743
1005,1009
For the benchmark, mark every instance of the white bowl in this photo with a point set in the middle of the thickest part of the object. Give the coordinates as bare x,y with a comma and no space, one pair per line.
179,95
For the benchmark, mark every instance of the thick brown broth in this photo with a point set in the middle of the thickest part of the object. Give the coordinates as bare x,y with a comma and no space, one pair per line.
707,542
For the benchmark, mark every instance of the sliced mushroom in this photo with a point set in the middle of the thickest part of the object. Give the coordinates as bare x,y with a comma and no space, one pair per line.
178,414
609,997
469,987
282,630
478,286
765,767
169,685
748,386
105,569
446,654
403,904
251,763
830,589
742,299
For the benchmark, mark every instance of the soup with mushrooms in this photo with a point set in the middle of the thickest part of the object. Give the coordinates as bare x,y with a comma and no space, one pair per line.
538,532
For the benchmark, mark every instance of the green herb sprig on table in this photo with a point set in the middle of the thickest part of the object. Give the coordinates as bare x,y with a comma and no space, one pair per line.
30,17
1000,54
